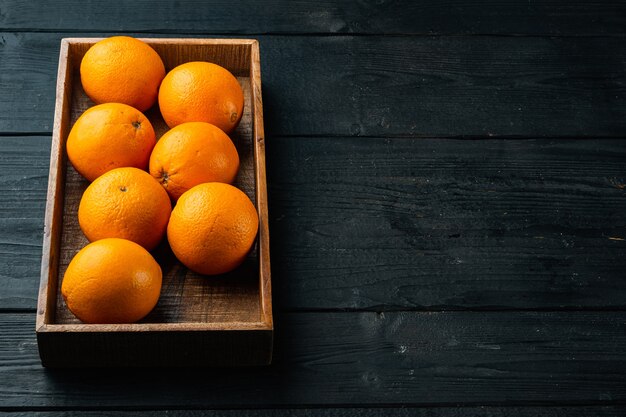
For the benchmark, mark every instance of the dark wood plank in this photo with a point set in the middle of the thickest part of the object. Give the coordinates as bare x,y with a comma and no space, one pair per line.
584,411
443,224
383,224
23,183
553,17
358,359
389,86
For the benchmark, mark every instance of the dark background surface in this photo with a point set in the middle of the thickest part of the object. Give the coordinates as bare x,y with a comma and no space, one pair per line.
447,195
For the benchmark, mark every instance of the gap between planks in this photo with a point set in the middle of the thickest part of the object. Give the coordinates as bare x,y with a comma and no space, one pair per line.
242,34
383,137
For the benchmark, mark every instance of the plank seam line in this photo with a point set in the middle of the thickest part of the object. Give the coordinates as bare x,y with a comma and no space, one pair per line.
379,310
453,309
452,137
397,136
236,407
314,34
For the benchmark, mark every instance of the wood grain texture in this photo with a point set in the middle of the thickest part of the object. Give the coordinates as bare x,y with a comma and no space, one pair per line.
23,182
554,17
575,411
260,178
231,344
376,223
381,224
358,359
389,86
50,254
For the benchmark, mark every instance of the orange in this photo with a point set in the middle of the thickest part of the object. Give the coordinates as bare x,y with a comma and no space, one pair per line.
212,228
109,136
125,203
122,69
112,281
193,153
201,92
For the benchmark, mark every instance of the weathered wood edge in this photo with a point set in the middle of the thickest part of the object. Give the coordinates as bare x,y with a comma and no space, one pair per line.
261,186
152,327
54,203
173,41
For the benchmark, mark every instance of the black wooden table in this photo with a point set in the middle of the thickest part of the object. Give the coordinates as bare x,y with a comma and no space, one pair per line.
447,194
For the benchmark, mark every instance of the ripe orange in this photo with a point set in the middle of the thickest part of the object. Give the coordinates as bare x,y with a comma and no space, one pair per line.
112,281
201,92
193,153
125,203
212,228
109,136
122,69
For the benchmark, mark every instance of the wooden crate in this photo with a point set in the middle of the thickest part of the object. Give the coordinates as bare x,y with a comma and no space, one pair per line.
199,321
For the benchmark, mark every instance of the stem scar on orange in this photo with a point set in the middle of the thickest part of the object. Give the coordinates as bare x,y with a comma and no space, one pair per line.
201,92
193,153
108,136
125,203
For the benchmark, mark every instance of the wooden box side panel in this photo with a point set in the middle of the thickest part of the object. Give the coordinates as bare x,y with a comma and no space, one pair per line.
261,186
232,54
54,201
158,348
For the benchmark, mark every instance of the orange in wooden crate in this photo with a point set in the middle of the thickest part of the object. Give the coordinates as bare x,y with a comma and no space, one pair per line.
223,320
